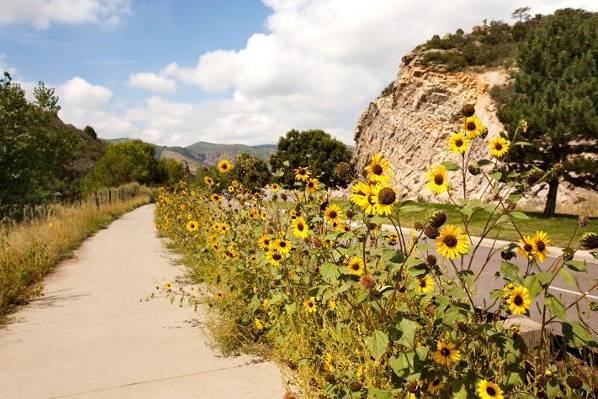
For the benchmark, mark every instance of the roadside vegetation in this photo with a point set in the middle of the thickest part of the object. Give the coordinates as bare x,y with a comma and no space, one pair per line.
357,311
30,249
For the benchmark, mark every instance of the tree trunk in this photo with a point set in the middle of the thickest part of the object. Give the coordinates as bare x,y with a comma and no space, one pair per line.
553,188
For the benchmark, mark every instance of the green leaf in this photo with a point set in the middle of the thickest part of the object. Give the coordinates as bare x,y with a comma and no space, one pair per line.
403,365
577,265
377,344
484,162
454,314
451,165
254,304
458,389
411,209
496,175
509,269
575,332
533,284
407,328
553,388
375,393
519,215
329,272
556,306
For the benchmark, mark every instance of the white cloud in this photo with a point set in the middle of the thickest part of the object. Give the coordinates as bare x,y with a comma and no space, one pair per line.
41,13
152,82
317,65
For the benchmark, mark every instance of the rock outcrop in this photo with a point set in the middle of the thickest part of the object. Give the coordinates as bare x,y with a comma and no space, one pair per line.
411,120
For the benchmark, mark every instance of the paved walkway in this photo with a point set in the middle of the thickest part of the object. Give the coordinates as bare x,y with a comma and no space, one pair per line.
90,336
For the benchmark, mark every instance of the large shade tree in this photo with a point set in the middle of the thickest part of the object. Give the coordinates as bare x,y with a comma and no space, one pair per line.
556,90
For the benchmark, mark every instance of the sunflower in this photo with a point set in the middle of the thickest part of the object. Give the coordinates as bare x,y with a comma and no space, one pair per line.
445,353
293,214
224,227
192,226
215,198
300,227
519,300
541,242
331,304
437,179
435,386
275,187
216,246
472,126
425,284
361,196
310,305
231,189
274,257
265,303
209,181
383,198
302,174
498,146
258,324
253,258
378,169
451,242
230,253
312,185
489,390
327,362
355,266
281,245
224,166
458,142
527,248
220,295
333,214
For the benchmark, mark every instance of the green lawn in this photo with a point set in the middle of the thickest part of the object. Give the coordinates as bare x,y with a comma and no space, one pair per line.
559,228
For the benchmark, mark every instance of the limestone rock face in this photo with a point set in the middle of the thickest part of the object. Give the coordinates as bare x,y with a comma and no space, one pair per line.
411,121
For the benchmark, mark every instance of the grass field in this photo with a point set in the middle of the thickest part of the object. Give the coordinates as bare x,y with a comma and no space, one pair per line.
28,251
560,228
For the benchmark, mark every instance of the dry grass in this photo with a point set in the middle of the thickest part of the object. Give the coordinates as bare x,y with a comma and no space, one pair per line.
28,251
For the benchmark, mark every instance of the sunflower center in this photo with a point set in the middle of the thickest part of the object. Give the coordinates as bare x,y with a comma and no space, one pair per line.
422,283
458,142
300,226
518,300
310,304
450,241
332,215
528,247
498,146
355,266
445,352
541,246
436,382
470,126
276,257
438,179
377,169
282,244
490,391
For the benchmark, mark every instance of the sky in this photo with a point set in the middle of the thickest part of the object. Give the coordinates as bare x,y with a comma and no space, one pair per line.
226,71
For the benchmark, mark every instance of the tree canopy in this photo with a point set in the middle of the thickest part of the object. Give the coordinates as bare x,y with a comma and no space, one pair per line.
250,171
314,149
555,89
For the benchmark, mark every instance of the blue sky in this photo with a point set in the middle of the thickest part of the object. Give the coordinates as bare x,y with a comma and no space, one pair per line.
235,71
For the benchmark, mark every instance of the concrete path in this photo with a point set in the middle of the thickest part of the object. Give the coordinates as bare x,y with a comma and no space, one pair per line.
90,336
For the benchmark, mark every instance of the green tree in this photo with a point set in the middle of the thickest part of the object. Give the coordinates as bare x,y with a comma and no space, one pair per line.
171,171
556,90
126,162
46,99
251,171
33,151
315,149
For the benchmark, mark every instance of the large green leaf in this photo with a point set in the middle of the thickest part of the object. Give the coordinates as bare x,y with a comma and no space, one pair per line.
377,344
556,306
407,328
329,272
510,270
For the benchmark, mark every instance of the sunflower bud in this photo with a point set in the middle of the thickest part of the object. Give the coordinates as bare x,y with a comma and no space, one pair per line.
367,282
342,169
431,231
568,253
583,221
316,242
468,110
412,386
484,132
283,197
419,226
349,214
437,219
372,226
589,240
474,168
463,327
574,382
534,175
558,168
507,254
431,260
387,196
269,230
323,205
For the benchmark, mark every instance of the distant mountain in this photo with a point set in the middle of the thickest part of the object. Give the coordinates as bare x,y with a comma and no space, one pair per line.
204,154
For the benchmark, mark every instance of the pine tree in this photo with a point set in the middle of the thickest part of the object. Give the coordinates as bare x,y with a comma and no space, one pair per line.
556,90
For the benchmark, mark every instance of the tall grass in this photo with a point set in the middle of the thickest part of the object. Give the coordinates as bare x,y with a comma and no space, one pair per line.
29,250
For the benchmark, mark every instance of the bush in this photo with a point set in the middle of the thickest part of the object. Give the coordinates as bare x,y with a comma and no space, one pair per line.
363,310
251,172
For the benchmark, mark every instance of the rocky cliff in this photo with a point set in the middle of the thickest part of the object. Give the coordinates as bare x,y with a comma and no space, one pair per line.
411,120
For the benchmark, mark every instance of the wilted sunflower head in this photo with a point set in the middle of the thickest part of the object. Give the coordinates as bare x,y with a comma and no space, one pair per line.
387,196
342,169
589,240
437,219
468,110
